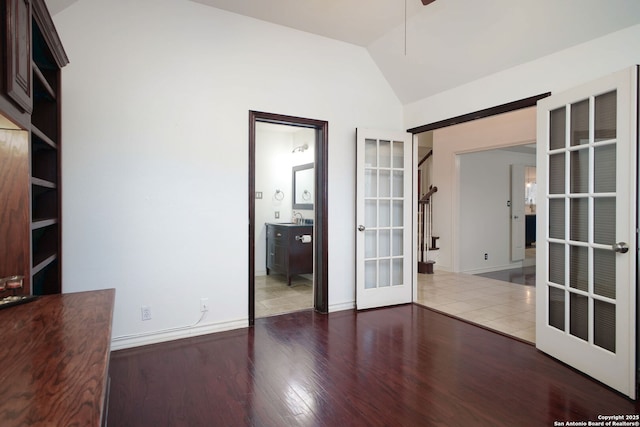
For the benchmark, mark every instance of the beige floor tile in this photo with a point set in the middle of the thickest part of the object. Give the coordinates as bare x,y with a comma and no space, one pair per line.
526,334
273,296
506,307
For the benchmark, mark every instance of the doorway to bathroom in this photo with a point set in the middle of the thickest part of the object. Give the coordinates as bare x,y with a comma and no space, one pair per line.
287,214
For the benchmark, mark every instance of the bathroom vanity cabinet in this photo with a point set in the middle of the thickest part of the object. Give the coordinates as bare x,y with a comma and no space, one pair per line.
288,252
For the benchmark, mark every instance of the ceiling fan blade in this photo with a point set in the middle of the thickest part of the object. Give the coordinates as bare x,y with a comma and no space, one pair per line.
426,2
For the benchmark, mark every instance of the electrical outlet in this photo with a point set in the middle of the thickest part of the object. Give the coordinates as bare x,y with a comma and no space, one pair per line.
486,256
204,305
277,213
258,194
146,312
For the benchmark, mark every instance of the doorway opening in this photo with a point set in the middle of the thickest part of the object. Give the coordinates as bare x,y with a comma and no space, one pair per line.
476,231
287,202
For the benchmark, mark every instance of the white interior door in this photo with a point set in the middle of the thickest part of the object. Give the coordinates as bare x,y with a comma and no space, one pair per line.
517,213
383,218
586,275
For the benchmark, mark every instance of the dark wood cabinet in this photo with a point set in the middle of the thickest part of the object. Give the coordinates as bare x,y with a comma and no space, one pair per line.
289,252
30,71
14,204
55,360
18,52
48,60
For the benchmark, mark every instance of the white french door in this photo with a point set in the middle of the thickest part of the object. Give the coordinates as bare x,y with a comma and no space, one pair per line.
586,238
383,218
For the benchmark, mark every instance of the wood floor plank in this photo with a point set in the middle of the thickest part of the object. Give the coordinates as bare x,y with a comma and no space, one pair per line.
398,366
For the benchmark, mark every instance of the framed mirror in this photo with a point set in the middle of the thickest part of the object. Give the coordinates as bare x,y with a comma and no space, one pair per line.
302,178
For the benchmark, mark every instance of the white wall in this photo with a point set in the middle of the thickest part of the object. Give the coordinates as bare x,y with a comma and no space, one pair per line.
515,128
155,159
556,72
485,217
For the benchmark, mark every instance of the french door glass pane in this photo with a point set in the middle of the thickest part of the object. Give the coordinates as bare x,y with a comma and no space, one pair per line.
370,243
370,213
398,155
557,128
370,183
579,225
579,267
604,273
398,271
604,220
398,213
398,183
385,183
384,213
384,275
556,308
556,173
384,241
556,263
371,153
385,154
580,171
398,242
579,316
580,123
556,218
605,169
604,325
605,116
370,274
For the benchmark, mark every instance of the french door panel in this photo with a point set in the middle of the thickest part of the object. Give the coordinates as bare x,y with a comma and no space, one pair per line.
587,250
384,237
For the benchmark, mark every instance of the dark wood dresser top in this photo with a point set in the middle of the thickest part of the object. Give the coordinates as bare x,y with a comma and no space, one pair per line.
54,359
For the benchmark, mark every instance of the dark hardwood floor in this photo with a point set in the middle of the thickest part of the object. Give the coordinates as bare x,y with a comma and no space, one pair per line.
398,366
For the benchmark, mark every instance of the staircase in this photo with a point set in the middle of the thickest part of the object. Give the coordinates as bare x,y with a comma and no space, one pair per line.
427,241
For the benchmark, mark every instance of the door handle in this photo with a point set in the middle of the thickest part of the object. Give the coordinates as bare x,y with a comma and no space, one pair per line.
620,247
361,228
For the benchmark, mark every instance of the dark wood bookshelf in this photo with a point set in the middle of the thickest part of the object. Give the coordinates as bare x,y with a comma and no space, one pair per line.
48,58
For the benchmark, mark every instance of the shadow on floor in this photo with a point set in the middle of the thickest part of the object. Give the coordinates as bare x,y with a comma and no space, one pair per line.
521,276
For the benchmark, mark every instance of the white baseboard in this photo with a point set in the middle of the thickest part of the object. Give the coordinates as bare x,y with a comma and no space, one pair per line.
146,338
493,268
349,305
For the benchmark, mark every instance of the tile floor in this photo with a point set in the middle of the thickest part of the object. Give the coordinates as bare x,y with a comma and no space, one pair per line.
273,296
498,305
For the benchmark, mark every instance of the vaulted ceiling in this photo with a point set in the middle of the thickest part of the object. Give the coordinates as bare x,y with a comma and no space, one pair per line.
447,43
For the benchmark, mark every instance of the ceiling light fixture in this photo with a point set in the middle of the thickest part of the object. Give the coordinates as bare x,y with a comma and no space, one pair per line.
300,148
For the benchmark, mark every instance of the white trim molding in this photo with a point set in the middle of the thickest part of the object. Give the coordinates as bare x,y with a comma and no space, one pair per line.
146,338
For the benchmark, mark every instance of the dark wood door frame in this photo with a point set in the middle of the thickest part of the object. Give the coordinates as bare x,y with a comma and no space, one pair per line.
320,255
481,114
